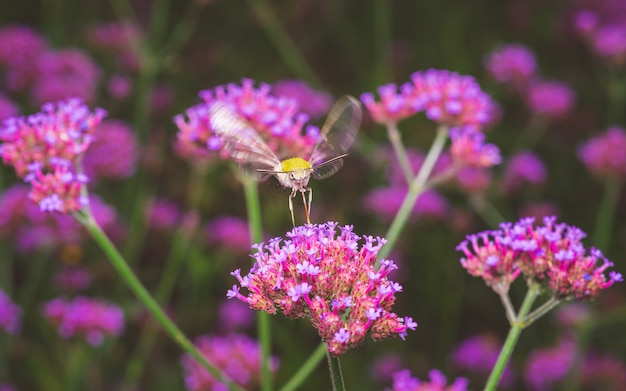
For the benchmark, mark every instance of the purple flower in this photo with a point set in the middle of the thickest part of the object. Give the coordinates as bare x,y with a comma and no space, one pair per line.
122,40
384,367
546,367
163,214
513,64
337,299
72,279
605,155
603,372
553,99
523,168
20,48
403,381
393,107
9,314
315,103
237,355
469,149
234,314
230,232
112,152
478,354
473,180
119,86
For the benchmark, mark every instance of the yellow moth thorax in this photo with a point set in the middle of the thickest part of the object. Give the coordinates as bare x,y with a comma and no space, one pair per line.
294,163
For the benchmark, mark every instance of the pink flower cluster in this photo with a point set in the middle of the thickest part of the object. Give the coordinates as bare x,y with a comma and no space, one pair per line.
512,64
113,151
445,97
605,155
469,149
9,314
92,318
46,148
279,121
230,232
403,381
332,280
237,355
551,253
20,48
523,168
602,25
545,367
314,103
478,354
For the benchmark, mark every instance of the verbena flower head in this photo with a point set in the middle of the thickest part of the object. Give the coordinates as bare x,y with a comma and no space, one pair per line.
237,355
323,274
552,254
112,154
605,155
513,64
403,381
385,202
314,103
601,25
20,47
9,314
552,99
163,214
278,120
523,168
45,149
548,366
393,106
93,319
230,232
234,315
478,354
469,148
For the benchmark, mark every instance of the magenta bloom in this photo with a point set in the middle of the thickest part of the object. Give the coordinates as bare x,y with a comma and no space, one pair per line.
44,149
552,254
93,319
602,27
8,109
553,99
469,149
237,355
512,64
235,314
546,367
473,180
315,103
119,86
523,168
327,277
603,372
478,354
72,279
393,106
384,367
605,155
20,48
231,232
120,39
9,314
279,120
163,214
385,202
112,152
403,381
67,73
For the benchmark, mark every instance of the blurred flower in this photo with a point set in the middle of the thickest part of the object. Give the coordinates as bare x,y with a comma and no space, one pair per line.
473,180
523,168
384,367
161,98
231,232
20,47
393,106
553,99
386,201
572,314
92,318
329,280
416,159
64,74
605,155
8,109
9,314
236,355
403,381
163,214
315,103
552,253
602,25
546,367
512,64
469,149
119,38
234,314
113,151
603,372
278,120
72,279
119,86
44,149
478,354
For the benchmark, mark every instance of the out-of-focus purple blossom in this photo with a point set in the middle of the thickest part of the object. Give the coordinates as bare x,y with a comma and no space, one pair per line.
523,168
469,149
20,47
403,381
72,279
385,202
163,214
8,109
9,314
93,319
113,151
550,98
605,155
393,107
384,367
512,64
602,25
161,98
546,367
539,210
235,315
7,387
67,73
122,39
237,355
229,231
478,354
315,103
603,372
473,180
572,314
119,86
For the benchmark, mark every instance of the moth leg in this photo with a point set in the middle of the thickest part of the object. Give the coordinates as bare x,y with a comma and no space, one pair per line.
293,194
307,208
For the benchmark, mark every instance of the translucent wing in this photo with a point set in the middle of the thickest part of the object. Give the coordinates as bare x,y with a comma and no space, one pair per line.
244,144
336,137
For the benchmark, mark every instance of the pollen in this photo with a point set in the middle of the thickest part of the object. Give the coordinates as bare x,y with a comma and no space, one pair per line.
294,163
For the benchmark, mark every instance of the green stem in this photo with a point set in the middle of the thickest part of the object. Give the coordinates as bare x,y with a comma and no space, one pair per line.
572,380
131,280
336,376
508,307
398,147
511,340
184,29
284,45
382,33
415,189
253,206
306,369
539,312
606,213
486,210
76,367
